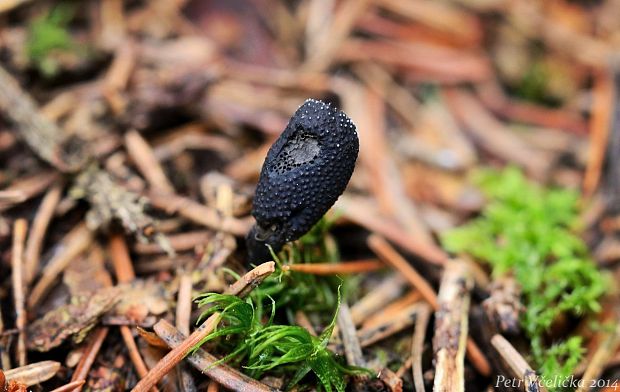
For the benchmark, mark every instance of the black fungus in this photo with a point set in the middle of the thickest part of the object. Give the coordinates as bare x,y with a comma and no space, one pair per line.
305,172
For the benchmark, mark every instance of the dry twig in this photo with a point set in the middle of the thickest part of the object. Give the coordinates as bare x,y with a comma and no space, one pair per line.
417,347
449,341
144,158
349,267
392,309
385,251
29,187
361,213
352,347
37,232
600,359
70,386
74,243
517,365
389,327
203,361
199,213
88,356
125,274
390,289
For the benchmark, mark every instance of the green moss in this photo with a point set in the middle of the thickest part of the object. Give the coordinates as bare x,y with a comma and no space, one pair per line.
531,232
261,346
293,291
248,331
49,34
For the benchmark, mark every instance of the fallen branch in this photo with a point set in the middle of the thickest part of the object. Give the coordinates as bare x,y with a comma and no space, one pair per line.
449,341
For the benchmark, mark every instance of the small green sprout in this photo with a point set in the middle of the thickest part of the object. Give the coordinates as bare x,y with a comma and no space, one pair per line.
293,291
248,332
530,232
49,34
264,346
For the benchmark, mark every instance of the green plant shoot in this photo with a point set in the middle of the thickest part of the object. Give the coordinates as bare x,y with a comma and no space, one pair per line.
263,346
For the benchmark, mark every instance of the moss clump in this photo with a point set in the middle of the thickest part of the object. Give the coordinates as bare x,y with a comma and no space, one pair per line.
261,346
249,331
531,232
49,34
